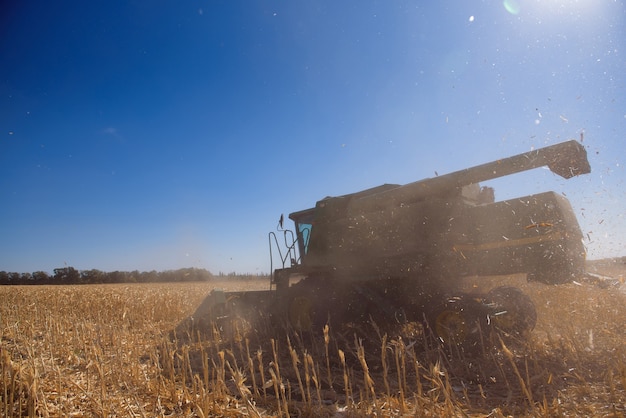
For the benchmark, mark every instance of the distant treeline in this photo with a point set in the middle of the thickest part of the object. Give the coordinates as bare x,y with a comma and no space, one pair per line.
69,275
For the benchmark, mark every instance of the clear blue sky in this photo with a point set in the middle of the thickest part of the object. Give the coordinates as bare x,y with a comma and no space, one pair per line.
159,135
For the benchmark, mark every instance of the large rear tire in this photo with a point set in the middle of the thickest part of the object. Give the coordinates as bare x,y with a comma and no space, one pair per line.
460,323
513,311
450,326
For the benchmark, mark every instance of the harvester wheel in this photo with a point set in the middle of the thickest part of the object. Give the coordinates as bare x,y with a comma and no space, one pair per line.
301,313
450,326
514,311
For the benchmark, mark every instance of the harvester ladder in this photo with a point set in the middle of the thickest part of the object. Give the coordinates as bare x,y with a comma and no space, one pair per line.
286,252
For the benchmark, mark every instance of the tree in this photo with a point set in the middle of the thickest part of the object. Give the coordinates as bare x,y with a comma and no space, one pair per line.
116,277
149,276
26,278
92,276
66,275
41,277
15,277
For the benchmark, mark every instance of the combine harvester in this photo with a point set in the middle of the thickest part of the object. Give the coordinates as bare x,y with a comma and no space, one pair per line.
396,254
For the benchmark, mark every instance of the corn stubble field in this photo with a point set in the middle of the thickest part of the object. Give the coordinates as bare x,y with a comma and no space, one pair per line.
107,350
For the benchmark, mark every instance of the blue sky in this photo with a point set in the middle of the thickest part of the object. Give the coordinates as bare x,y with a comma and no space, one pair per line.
147,135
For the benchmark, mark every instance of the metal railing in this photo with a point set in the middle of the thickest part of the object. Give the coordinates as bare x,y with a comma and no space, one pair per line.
287,252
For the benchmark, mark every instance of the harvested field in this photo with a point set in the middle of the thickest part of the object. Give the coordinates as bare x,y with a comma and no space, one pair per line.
106,350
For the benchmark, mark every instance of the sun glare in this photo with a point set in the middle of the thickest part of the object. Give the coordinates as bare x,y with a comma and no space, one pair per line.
546,9
511,6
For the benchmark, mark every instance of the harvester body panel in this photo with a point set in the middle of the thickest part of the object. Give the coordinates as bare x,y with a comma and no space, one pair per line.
448,226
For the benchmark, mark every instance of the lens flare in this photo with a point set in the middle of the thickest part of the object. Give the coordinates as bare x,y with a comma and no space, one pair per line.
511,6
